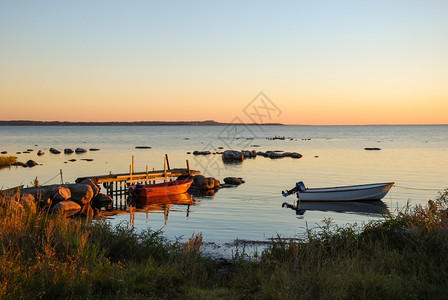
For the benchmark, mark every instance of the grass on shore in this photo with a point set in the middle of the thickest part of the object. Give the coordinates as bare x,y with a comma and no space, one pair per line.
6,161
50,256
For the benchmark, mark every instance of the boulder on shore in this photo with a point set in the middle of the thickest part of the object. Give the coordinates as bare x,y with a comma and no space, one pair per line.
87,212
81,193
67,207
28,202
59,193
93,185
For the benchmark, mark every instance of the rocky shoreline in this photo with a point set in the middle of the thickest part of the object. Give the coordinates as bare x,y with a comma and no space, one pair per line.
83,199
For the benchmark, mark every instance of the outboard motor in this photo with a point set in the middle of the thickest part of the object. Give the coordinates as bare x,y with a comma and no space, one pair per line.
300,187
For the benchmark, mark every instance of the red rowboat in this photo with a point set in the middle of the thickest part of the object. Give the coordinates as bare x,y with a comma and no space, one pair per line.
160,189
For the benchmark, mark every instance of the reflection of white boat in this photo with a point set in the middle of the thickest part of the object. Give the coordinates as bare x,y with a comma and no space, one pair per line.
375,191
358,207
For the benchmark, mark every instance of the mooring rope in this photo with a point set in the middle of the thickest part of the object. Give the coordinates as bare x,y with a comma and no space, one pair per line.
59,174
417,189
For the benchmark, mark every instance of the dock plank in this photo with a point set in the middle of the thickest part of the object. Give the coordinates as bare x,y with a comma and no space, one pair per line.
139,176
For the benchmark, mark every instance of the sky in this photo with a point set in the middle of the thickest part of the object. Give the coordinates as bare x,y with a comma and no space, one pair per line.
294,62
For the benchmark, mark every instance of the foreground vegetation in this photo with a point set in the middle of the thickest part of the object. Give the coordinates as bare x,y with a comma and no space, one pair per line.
50,256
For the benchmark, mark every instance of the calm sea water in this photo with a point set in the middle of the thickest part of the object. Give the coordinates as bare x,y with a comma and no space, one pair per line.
414,157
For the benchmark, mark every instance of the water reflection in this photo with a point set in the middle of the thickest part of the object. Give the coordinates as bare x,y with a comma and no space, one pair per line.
164,204
202,193
358,207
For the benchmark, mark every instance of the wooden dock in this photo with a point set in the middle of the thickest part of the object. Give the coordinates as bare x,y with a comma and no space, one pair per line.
143,177
117,185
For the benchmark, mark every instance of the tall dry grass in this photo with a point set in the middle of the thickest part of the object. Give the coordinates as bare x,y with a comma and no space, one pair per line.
49,256
6,161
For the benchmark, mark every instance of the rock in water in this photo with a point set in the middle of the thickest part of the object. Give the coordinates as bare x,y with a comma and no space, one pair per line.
233,180
31,163
231,155
296,155
68,151
205,183
54,151
80,150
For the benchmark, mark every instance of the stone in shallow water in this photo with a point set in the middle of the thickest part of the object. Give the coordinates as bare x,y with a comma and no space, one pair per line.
31,163
233,180
54,151
80,150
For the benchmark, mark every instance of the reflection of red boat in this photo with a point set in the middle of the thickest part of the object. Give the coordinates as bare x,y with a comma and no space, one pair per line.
178,199
160,189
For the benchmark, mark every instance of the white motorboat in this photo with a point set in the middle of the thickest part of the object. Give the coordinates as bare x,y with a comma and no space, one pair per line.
374,191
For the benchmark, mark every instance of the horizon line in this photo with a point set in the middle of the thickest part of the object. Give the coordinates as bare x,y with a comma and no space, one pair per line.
203,122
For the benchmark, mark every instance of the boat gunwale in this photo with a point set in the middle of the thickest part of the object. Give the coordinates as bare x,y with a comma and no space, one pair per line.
348,188
167,184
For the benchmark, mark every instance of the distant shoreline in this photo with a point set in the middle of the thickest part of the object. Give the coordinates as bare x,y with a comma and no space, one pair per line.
176,123
135,123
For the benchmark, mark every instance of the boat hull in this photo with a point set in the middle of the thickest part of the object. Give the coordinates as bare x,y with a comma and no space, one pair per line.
161,189
365,192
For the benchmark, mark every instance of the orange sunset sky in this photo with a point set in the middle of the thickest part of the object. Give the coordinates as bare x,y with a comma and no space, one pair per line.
319,62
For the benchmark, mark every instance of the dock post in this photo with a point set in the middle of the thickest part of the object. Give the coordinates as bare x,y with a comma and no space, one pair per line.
133,170
164,170
167,162
121,194
188,167
111,190
146,180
